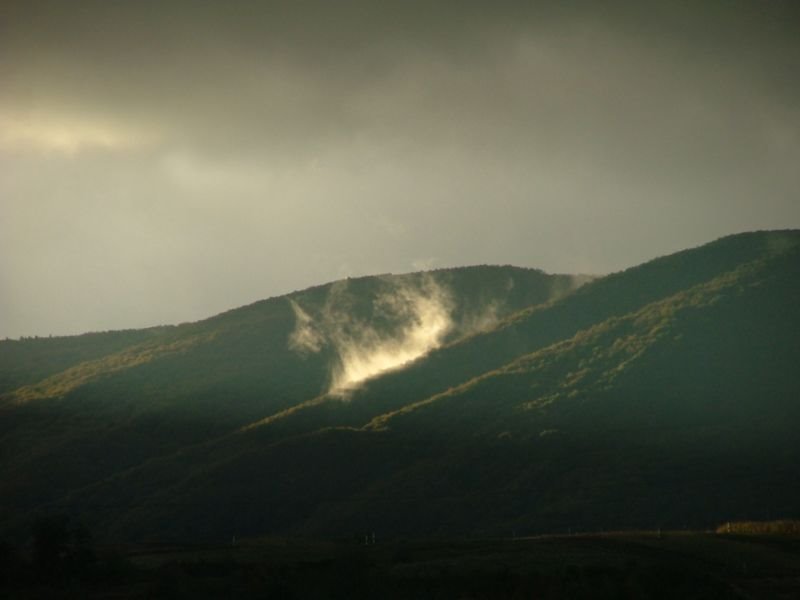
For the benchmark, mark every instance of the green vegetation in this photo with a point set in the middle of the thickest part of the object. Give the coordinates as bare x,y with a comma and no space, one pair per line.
60,384
661,396
87,408
29,360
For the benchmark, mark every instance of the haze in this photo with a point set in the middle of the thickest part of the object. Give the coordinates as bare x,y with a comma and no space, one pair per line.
164,161
362,351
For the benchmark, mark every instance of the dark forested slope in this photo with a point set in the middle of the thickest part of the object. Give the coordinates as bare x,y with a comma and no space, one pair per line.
664,395
76,410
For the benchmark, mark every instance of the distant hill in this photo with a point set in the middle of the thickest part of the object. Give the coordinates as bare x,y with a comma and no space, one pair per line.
76,410
663,395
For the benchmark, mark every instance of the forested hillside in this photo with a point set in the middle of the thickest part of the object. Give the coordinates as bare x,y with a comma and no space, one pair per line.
77,410
661,396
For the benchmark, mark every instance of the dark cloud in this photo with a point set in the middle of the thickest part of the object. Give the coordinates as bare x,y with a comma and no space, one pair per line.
165,160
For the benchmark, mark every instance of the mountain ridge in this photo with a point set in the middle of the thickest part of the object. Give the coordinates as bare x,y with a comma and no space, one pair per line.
634,369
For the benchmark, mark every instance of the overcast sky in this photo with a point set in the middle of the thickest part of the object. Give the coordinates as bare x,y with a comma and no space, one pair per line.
163,161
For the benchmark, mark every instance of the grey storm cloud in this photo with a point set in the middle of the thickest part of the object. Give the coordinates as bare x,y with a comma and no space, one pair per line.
163,161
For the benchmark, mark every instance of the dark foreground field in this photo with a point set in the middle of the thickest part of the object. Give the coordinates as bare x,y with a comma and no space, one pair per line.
609,565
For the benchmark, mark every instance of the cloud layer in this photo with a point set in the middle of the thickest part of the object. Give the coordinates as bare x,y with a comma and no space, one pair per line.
165,161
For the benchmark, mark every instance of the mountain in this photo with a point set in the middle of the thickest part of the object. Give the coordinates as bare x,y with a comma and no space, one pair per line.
470,401
76,410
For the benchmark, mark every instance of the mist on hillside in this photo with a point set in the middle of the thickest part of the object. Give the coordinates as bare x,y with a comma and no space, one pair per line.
408,321
370,332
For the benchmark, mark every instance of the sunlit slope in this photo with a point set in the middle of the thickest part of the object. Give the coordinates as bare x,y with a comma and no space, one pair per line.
711,354
534,328
30,360
612,296
677,414
116,405
257,339
682,411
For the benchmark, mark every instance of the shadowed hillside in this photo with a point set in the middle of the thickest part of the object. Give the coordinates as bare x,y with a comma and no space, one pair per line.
664,395
77,410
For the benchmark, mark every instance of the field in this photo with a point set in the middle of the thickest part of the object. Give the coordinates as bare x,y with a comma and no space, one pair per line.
672,564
